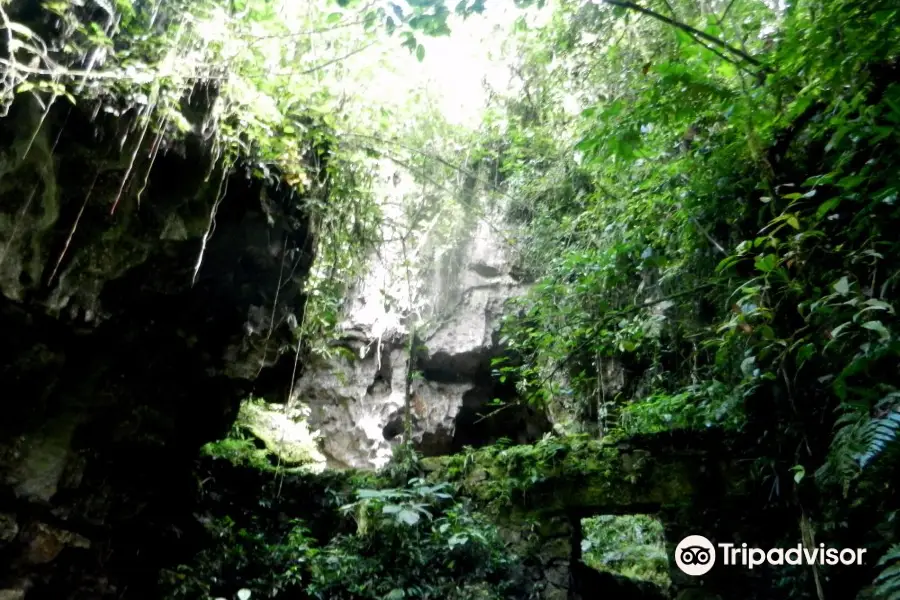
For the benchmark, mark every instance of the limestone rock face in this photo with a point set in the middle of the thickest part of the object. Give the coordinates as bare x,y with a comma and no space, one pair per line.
130,335
358,399
351,399
358,406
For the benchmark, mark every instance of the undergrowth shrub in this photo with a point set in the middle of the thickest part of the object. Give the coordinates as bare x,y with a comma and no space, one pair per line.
630,545
408,541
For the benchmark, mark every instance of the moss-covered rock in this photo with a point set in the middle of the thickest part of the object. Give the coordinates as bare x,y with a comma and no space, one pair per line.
284,432
562,475
540,493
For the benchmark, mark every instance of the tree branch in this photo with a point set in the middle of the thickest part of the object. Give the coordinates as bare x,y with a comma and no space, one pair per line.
256,38
686,28
336,59
725,12
616,313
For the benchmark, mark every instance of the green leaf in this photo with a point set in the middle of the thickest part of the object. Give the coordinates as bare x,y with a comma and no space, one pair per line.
420,52
805,352
837,330
748,365
827,207
875,304
333,18
878,327
410,517
848,183
409,41
766,263
793,222
728,262
799,106
842,287
588,144
367,494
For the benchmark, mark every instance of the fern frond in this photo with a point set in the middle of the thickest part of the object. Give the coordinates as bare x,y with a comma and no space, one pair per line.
861,437
881,433
849,440
887,585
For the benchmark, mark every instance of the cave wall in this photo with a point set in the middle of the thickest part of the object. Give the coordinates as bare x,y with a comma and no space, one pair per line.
119,356
357,398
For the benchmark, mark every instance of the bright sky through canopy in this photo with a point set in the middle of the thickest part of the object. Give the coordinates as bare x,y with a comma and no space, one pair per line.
453,71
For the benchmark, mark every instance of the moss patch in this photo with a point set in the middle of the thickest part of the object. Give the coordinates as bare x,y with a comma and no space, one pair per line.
266,436
284,432
560,474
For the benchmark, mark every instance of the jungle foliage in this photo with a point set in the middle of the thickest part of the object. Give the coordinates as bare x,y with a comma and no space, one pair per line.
705,195
629,545
363,537
707,200
278,89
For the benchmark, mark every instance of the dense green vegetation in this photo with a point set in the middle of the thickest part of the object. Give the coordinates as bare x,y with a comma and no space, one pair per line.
721,215
391,536
703,193
632,546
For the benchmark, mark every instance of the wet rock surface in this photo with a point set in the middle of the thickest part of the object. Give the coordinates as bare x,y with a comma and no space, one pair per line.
130,337
358,398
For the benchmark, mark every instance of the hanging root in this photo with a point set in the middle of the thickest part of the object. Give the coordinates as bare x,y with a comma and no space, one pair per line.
262,361
72,232
154,150
290,398
39,125
211,228
134,154
15,230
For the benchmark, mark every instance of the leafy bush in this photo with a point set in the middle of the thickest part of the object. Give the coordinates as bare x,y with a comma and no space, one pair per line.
240,449
413,542
629,545
250,558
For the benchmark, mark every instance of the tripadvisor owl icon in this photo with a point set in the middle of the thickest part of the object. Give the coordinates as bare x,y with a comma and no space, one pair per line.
695,555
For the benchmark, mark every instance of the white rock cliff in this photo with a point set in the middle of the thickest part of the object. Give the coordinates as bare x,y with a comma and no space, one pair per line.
452,298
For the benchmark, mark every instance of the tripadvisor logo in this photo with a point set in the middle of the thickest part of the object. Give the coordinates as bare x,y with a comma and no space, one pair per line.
695,555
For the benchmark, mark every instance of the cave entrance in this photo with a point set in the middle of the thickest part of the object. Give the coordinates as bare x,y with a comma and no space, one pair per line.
622,552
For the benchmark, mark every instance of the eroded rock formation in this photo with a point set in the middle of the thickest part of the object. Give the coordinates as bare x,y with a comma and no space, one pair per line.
358,399
136,312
